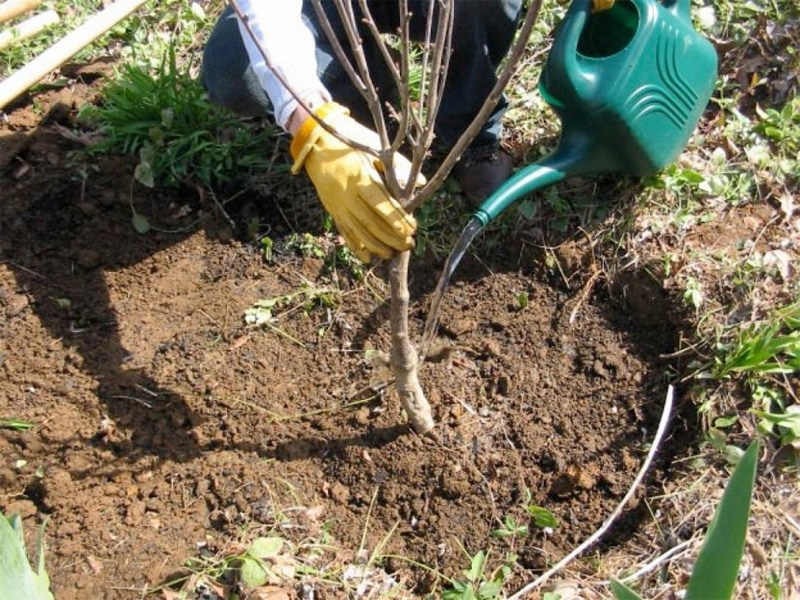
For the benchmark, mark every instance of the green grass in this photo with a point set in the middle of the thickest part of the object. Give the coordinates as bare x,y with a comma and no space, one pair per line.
768,347
164,116
15,424
142,37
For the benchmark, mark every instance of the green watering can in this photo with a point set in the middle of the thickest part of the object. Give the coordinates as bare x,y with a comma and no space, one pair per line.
629,85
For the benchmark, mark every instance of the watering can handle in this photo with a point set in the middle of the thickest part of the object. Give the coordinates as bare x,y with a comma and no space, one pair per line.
682,9
563,60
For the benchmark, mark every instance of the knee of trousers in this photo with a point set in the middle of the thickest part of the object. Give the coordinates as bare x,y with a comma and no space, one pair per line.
226,74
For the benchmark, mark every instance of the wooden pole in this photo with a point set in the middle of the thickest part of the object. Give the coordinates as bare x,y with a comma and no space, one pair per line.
28,28
12,8
66,47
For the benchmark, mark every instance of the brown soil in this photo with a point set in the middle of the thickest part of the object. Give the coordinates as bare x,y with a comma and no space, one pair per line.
164,424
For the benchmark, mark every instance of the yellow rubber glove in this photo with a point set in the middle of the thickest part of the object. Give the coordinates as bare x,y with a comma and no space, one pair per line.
350,185
598,5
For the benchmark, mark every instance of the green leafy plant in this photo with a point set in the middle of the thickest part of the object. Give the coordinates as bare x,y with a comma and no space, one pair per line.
165,119
262,311
256,562
523,300
267,246
343,257
717,440
781,126
785,425
306,245
762,355
717,565
17,578
761,350
478,585
510,528
693,294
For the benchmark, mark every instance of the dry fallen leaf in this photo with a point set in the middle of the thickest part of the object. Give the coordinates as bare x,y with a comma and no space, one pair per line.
95,565
781,261
272,592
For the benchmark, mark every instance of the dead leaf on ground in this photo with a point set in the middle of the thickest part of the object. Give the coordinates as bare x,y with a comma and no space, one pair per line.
272,592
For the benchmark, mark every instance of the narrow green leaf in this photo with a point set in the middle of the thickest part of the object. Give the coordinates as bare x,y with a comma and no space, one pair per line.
623,592
789,420
714,574
723,422
15,424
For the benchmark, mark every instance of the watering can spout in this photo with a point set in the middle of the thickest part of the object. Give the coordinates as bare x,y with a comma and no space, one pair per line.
547,171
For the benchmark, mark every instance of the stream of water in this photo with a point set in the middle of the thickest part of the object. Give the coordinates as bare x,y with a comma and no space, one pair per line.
473,228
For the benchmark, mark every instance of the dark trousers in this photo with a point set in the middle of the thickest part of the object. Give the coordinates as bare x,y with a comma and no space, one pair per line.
482,34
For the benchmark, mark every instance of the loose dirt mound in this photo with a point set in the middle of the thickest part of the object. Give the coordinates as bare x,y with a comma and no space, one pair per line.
164,422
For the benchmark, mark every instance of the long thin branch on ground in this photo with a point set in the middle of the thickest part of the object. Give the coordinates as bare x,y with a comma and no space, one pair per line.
662,428
657,562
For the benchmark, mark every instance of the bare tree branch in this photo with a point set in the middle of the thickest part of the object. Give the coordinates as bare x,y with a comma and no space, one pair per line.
367,86
280,77
417,127
399,75
480,118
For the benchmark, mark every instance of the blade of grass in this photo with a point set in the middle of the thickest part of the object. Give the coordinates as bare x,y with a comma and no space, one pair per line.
15,424
714,574
623,592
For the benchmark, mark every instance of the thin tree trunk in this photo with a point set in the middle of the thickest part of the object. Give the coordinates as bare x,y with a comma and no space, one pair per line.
416,127
404,358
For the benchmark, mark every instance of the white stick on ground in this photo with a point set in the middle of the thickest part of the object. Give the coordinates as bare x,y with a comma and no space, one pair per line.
66,47
662,428
28,28
655,563
13,8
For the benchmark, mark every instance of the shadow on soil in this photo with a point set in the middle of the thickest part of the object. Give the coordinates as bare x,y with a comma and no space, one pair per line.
61,230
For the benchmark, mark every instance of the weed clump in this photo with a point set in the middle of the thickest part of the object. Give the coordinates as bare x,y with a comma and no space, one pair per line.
165,117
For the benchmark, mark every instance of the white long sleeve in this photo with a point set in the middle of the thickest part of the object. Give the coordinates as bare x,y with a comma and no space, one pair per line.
290,47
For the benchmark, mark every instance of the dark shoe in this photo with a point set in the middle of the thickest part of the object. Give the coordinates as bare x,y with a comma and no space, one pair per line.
481,171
